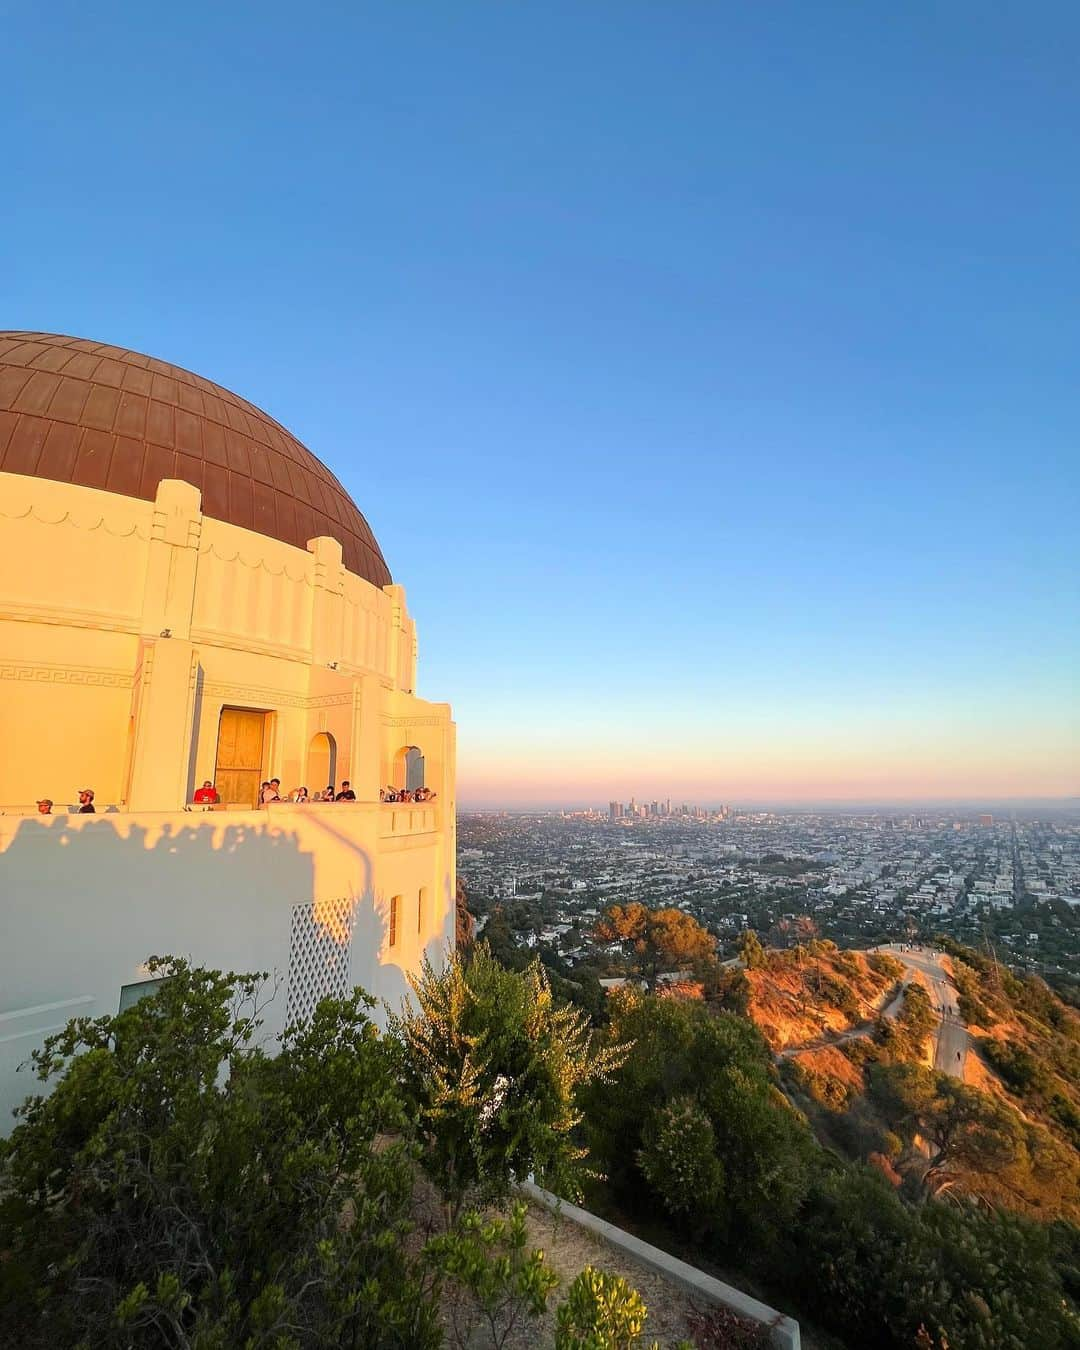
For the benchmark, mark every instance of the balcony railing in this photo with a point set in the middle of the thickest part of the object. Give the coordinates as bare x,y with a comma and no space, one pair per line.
397,818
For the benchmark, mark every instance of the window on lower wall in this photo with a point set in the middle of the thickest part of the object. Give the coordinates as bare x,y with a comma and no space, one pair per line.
395,905
421,908
130,994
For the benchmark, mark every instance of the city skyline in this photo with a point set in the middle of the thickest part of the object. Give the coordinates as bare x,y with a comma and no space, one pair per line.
971,804
707,377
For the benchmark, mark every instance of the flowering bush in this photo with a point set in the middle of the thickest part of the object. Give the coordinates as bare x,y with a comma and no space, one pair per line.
679,1159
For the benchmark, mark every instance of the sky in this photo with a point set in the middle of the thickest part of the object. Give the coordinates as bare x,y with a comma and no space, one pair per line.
707,372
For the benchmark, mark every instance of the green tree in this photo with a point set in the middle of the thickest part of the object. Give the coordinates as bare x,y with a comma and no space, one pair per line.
970,1132
492,1068
678,1159
178,1188
751,951
684,1052
659,938
464,923
875,1271
727,987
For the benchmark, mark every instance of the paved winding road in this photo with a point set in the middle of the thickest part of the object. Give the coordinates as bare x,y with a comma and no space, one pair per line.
953,1041
950,1052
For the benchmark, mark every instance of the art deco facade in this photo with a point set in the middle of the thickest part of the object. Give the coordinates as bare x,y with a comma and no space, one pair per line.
187,593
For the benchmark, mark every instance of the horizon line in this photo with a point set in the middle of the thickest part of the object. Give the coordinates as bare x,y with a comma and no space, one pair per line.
807,803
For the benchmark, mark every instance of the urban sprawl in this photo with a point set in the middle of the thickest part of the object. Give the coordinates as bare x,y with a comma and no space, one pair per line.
1008,882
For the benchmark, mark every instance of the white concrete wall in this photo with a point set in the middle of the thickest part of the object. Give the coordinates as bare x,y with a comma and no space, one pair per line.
84,900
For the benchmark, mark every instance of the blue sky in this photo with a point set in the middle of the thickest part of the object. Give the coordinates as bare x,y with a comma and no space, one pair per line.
707,372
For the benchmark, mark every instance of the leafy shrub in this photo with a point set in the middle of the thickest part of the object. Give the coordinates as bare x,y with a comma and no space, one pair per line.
861,1050
973,1009
834,990
685,1051
679,1160
493,1279
728,988
875,1271
881,963
492,1067
903,1039
917,1014
179,1188
751,950
1020,1070
601,1312
1065,1114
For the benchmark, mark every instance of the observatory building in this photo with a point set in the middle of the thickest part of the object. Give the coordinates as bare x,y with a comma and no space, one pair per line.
187,595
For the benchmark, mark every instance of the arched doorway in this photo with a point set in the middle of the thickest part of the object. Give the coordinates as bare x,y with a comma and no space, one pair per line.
409,768
321,762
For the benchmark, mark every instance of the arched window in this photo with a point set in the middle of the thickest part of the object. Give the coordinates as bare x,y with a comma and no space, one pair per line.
321,762
409,768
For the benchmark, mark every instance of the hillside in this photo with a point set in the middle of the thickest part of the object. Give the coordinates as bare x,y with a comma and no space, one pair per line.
859,1063
808,993
787,1120
1027,1040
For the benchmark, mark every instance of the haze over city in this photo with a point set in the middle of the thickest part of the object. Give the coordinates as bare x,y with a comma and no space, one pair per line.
709,379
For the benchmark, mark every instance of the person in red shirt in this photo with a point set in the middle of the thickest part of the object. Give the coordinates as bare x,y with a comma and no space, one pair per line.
207,795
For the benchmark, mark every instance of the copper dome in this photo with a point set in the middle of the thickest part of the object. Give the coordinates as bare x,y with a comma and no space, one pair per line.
102,417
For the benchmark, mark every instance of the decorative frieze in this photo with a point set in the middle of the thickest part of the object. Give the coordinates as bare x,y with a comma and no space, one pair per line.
100,677
256,694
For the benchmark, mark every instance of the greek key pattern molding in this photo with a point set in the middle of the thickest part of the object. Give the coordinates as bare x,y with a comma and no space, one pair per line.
92,676
277,698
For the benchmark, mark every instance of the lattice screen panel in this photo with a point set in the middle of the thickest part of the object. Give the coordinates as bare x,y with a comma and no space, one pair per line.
319,945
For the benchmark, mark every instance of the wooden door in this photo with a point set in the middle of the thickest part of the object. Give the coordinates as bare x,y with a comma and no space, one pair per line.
238,776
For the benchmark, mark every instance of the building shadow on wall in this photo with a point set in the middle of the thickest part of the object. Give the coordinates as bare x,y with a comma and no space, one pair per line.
371,964
440,946
84,906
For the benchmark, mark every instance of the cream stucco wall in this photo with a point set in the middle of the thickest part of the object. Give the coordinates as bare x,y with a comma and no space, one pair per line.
89,582
125,627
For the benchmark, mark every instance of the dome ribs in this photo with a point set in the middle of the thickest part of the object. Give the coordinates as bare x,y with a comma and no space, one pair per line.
104,417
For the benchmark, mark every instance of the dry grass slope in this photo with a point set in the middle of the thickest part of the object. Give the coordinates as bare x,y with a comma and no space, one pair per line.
802,995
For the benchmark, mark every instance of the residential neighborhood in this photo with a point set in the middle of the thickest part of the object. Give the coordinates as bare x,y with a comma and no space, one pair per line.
862,877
